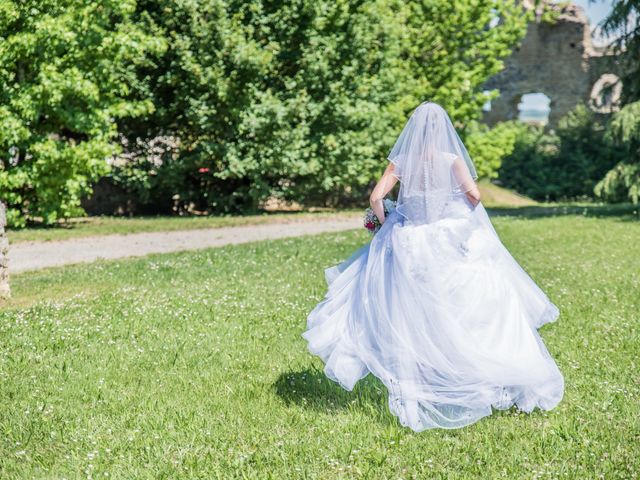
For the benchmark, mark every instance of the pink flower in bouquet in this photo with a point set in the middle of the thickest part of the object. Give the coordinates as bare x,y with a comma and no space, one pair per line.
203,170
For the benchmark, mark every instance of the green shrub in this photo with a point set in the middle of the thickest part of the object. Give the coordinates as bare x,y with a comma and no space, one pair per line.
623,181
562,164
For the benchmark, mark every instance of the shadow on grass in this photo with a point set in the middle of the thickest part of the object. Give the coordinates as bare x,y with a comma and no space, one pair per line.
622,211
310,388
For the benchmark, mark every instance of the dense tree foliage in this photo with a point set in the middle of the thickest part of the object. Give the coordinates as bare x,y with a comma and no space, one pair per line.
452,48
623,24
302,100
219,105
66,70
270,98
490,146
563,164
622,183
623,133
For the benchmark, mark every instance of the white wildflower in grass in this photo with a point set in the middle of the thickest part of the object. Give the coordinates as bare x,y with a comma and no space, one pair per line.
243,382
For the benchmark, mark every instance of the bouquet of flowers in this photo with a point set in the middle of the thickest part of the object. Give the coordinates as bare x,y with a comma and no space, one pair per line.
371,221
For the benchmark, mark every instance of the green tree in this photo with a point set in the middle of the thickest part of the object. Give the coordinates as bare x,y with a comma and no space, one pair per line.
452,48
284,99
623,24
67,70
489,146
302,100
623,181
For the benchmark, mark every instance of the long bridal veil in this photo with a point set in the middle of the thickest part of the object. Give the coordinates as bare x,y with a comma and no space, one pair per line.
432,164
435,306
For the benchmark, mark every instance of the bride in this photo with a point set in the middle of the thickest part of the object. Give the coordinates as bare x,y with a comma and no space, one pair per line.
435,306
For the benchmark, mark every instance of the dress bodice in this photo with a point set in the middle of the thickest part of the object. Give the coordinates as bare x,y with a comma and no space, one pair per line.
418,210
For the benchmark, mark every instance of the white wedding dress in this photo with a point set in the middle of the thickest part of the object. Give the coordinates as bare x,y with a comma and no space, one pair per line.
439,311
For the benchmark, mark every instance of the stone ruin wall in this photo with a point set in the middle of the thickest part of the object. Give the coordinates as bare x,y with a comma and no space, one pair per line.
4,254
559,60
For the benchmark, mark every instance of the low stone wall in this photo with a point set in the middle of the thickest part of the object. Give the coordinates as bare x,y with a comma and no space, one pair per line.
5,292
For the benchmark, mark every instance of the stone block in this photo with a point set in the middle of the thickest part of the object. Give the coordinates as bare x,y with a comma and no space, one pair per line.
5,291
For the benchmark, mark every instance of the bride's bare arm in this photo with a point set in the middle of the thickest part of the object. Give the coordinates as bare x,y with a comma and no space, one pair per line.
384,186
468,185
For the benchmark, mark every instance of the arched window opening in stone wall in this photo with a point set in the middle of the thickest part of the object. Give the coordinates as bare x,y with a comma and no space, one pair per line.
605,93
534,108
556,58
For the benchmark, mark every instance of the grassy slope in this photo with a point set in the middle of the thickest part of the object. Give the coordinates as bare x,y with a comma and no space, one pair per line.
191,365
495,196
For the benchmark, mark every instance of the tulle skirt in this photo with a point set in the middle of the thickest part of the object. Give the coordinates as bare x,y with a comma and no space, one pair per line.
444,316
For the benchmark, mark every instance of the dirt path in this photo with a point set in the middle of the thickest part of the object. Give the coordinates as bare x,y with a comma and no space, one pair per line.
26,256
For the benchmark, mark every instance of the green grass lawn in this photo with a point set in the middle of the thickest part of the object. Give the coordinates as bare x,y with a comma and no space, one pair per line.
191,365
